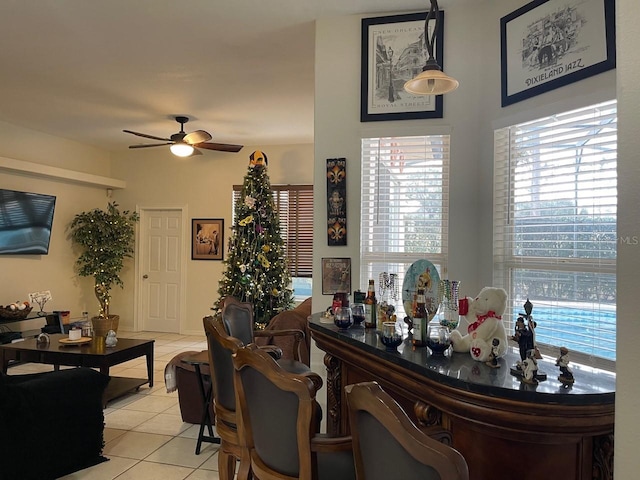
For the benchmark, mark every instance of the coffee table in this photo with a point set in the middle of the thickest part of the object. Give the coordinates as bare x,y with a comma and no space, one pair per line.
93,355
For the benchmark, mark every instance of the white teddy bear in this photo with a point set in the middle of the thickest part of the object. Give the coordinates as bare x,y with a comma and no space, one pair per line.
484,325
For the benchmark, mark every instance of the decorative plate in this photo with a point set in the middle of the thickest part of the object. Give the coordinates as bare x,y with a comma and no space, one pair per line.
80,341
421,274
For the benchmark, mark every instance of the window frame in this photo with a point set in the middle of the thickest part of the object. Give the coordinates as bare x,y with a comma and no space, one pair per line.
509,265
374,260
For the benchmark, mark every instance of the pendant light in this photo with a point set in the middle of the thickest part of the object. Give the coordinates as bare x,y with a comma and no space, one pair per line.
432,80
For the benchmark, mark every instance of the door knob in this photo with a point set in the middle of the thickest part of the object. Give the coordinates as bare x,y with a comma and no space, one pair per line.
145,276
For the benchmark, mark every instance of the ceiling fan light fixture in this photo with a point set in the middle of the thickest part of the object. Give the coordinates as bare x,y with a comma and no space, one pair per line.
181,149
184,144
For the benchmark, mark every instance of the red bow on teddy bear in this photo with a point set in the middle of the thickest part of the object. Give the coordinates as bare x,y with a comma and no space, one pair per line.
481,318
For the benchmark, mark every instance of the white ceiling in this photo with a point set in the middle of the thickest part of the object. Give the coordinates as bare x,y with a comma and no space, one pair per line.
242,70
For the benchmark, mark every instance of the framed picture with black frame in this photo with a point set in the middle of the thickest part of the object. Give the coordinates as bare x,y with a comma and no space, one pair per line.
336,275
547,44
207,238
393,52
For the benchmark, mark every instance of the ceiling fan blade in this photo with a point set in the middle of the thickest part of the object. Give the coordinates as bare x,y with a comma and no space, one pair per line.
151,145
196,152
198,136
221,147
146,136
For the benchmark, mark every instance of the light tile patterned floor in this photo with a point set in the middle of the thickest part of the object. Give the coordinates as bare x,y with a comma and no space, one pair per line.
145,437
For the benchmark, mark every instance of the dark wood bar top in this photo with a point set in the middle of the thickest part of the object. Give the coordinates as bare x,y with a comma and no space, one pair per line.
459,370
532,431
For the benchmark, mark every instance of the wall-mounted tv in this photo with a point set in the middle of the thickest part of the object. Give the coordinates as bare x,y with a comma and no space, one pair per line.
25,222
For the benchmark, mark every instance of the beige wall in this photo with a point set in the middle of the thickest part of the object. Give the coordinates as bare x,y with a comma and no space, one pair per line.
627,461
22,274
202,185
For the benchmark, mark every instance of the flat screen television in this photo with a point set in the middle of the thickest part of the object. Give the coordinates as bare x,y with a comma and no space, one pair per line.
25,222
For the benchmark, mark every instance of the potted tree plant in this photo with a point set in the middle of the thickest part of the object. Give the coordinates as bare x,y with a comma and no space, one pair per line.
106,239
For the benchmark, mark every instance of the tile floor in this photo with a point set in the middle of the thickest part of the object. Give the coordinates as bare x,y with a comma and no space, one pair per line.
145,437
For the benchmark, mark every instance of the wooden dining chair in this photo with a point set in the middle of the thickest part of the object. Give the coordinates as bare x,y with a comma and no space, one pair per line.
387,444
239,323
221,347
280,422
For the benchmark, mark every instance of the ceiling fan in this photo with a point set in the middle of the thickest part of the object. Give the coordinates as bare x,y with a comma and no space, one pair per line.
184,144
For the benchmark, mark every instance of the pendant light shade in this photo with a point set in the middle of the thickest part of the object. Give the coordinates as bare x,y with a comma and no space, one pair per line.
181,149
432,80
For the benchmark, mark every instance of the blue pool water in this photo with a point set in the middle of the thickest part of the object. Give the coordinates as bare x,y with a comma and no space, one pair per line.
587,331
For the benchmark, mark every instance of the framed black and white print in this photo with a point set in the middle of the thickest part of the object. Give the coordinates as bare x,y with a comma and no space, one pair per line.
548,44
393,52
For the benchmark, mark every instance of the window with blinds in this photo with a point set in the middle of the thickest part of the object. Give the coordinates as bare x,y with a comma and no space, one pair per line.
405,205
294,204
555,203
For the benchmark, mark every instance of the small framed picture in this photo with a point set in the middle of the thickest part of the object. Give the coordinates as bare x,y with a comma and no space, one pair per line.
207,238
336,275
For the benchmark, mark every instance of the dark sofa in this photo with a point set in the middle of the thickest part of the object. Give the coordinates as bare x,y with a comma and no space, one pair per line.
51,424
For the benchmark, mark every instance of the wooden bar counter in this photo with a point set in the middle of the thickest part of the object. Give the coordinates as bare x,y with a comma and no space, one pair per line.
505,429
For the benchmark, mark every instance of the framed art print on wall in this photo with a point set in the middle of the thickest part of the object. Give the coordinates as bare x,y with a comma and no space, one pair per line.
336,275
393,52
336,201
548,44
207,238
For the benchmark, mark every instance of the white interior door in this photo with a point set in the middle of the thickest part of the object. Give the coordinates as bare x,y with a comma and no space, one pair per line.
161,270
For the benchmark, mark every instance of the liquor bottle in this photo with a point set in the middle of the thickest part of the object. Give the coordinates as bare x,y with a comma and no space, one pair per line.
420,319
370,307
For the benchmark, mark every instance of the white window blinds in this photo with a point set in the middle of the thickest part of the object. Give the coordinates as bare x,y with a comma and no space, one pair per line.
294,204
405,204
555,202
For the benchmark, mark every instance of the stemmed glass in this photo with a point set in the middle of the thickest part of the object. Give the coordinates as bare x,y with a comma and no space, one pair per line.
391,335
357,309
343,318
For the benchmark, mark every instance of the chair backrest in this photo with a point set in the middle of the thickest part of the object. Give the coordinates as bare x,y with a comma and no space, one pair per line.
278,412
238,319
221,348
387,444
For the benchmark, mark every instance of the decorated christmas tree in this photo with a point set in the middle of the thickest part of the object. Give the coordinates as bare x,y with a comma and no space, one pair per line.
256,264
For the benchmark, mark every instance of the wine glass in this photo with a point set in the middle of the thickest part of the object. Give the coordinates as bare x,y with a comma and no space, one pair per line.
391,335
357,309
438,338
343,318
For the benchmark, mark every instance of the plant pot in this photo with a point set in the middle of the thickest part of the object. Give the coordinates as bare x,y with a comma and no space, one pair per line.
101,326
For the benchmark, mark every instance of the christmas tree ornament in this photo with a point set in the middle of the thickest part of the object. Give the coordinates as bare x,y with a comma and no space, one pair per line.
246,221
258,159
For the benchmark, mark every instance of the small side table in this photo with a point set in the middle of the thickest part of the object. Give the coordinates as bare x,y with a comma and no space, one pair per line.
196,361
